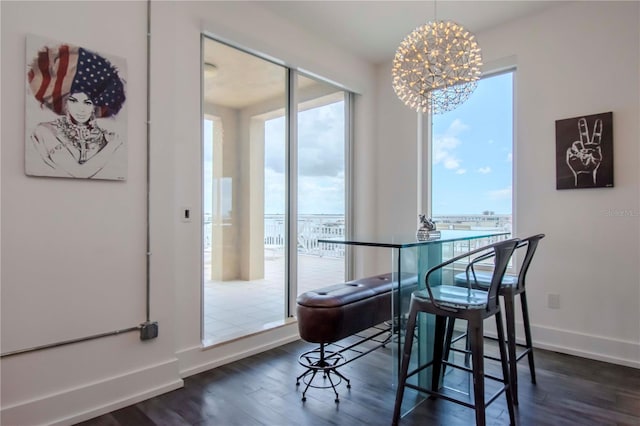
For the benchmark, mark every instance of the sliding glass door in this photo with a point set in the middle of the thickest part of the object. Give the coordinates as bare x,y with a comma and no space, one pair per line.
273,183
321,182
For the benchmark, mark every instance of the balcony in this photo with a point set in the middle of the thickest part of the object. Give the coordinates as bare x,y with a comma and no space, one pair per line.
228,313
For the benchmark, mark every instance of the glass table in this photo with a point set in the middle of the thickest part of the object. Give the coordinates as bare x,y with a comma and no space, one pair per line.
412,257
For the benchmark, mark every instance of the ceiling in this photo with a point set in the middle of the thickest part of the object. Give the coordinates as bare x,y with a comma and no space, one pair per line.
236,79
373,30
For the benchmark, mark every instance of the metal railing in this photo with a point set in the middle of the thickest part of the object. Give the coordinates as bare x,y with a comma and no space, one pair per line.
311,228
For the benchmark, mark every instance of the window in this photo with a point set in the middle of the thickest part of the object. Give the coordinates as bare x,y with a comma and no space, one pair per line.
471,159
269,191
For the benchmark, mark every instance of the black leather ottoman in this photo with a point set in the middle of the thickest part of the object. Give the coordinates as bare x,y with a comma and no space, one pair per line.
329,314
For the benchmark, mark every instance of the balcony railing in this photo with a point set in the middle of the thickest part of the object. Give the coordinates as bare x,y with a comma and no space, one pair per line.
311,228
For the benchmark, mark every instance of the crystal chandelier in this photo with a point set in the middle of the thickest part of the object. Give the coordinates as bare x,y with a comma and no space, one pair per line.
436,67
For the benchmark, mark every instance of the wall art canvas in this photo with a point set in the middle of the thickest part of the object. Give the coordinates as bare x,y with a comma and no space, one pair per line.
76,115
584,152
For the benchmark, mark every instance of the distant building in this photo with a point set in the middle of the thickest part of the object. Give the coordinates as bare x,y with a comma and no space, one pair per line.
485,221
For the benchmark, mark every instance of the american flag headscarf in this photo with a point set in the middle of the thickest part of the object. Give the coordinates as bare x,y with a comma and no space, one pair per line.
62,70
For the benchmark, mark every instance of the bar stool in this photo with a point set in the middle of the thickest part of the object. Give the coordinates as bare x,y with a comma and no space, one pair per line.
450,302
512,285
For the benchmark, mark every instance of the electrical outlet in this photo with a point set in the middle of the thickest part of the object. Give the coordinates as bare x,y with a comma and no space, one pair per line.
148,330
553,301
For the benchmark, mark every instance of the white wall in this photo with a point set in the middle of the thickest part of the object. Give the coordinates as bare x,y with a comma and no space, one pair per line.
43,302
396,162
572,60
74,251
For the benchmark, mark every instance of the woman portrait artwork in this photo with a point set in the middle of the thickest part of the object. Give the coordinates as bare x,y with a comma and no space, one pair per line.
74,98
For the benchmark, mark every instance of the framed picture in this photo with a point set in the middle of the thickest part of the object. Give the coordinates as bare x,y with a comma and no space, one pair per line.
75,121
584,152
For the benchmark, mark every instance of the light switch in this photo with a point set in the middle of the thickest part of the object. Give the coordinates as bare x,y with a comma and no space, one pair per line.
185,214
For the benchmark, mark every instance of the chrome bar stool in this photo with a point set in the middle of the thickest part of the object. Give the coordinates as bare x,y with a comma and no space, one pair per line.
448,302
512,285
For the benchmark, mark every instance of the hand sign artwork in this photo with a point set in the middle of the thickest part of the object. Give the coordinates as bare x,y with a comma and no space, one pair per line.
585,155
588,161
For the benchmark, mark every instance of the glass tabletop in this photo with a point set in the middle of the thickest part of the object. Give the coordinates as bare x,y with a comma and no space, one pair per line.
446,235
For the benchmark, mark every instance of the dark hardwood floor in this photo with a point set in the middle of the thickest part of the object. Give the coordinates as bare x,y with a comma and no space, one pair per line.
261,390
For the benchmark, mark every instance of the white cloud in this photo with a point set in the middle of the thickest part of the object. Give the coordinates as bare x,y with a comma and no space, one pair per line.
320,142
320,195
274,187
509,157
451,163
491,141
461,171
501,194
316,194
484,170
456,127
444,151
444,146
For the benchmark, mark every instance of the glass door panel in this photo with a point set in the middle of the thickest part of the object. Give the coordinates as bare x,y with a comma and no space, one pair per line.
244,146
321,183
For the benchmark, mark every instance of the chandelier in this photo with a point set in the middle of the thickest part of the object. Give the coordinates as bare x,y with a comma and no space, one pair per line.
436,67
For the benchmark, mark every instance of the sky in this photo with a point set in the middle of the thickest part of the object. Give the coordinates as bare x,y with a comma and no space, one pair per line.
320,161
471,157
472,152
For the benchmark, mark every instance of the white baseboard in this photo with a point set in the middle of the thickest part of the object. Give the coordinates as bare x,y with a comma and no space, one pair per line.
103,396
197,359
600,348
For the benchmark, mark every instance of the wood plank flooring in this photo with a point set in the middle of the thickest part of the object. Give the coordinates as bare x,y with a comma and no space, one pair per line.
261,390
